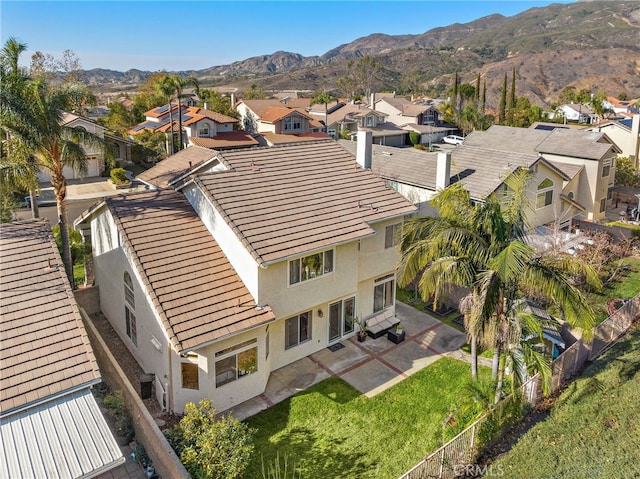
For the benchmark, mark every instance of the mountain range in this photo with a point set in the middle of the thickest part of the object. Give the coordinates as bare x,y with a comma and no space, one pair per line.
589,44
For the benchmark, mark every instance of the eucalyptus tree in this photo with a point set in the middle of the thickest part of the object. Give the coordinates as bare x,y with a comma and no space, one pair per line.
482,247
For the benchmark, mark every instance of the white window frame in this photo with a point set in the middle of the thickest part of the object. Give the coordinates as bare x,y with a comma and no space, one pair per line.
234,352
302,274
388,284
292,123
129,294
308,315
392,235
204,129
546,193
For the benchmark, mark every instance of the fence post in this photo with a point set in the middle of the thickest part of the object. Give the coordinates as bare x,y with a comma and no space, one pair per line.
441,464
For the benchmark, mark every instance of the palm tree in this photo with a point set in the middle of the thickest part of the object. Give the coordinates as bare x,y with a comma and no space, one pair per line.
17,167
52,145
323,98
483,248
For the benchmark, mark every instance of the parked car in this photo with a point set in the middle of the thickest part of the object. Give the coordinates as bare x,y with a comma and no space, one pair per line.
47,197
453,139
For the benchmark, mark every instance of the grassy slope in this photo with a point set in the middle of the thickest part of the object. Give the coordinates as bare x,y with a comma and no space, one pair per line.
332,431
591,433
626,287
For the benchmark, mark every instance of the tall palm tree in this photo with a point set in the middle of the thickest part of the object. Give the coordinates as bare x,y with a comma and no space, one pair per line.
17,166
483,248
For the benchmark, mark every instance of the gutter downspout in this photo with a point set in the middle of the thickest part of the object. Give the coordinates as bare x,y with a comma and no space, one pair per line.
170,388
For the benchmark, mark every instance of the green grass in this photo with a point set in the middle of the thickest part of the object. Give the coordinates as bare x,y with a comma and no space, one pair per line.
410,298
593,431
78,274
332,431
626,286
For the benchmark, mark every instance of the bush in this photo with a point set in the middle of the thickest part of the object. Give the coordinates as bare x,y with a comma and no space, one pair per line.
114,403
211,448
414,137
119,176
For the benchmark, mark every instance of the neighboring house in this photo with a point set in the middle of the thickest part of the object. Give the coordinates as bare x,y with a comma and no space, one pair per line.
200,126
277,123
401,111
586,157
419,175
50,423
621,106
578,113
267,259
119,148
625,134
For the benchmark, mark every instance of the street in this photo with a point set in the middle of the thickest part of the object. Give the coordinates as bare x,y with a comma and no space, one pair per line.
74,208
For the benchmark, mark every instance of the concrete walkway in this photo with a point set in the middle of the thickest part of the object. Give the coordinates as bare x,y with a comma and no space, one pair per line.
370,367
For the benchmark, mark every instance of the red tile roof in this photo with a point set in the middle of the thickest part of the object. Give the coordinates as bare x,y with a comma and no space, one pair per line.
43,344
287,200
227,139
194,289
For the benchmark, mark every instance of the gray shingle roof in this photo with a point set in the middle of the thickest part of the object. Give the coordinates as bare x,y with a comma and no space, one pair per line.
194,289
44,346
290,199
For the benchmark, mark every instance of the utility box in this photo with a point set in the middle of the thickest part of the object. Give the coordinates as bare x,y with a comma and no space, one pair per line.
146,385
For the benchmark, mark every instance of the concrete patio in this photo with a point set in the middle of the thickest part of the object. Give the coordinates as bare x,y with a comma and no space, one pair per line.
370,367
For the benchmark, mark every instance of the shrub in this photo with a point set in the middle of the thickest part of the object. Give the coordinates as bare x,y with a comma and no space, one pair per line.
118,176
114,403
211,448
414,137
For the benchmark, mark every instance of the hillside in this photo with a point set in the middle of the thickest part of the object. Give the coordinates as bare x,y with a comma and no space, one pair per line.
593,45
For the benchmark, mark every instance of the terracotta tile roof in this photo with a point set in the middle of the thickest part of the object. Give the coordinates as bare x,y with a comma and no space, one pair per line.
284,138
194,289
405,106
177,165
227,139
260,106
43,343
286,200
275,113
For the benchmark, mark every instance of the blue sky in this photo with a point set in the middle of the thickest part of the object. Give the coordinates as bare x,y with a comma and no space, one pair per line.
183,35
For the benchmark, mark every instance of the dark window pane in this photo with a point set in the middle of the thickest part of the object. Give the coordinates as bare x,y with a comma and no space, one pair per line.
225,371
378,298
294,271
328,261
291,332
189,376
305,327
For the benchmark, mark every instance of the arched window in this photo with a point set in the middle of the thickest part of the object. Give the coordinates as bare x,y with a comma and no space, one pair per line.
204,129
545,193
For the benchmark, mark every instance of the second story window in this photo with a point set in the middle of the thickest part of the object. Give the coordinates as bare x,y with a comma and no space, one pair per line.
392,235
309,267
204,130
545,193
293,122
371,121
606,170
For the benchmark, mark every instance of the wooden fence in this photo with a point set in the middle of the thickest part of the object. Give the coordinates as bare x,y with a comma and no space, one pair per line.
453,458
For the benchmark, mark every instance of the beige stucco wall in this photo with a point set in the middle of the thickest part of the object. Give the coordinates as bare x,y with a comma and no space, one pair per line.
550,213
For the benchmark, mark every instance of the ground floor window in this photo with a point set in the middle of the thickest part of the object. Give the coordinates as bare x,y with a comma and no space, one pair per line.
189,371
298,329
383,293
236,361
603,205
130,323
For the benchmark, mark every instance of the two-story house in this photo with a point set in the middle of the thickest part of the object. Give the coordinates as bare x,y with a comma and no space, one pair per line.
200,127
260,259
586,157
119,148
419,175
625,133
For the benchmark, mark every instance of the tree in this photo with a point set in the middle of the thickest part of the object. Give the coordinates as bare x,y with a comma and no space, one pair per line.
211,448
360,77
597,103
411,84
502,108
568,95
53,146
483,248
477,91
323,98
512,99
255,93
216,102
484,97
626,173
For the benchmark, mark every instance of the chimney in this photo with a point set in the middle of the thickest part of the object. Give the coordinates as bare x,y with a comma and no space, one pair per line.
373,100
233,101
205,105
443,170
635,139
363,148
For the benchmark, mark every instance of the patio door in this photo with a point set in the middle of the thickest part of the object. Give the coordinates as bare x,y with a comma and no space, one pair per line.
341,314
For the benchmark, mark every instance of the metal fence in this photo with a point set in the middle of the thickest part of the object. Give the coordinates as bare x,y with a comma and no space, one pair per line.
453,458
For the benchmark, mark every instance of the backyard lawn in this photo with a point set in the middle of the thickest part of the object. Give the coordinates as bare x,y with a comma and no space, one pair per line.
626,287
332,431
593,430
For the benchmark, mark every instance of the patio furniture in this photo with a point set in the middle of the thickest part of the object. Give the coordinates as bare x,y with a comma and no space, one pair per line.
394,336
380,323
